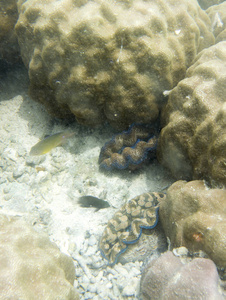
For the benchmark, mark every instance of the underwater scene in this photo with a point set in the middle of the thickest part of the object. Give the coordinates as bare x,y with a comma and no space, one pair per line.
113,149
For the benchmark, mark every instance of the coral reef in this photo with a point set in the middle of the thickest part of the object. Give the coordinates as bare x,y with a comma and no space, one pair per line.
168,278
109,59
194,216
129,149
217,14
9,48
126,225
31,266
192,143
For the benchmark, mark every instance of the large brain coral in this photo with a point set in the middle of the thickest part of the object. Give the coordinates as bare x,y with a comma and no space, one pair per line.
109,59
194,216
193,141
31,266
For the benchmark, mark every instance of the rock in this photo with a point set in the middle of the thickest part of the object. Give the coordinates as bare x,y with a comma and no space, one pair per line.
167,278
90,59
193,141
194,216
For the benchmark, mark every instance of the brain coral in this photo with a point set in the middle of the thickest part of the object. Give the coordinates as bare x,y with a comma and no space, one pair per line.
194,216
109,59
193,141
168,278
9,48
31,266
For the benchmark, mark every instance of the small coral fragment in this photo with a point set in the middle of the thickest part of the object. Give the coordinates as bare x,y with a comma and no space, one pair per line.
126,225
129,149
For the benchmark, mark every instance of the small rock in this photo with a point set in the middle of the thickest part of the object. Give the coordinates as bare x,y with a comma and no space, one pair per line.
92,241
121,270
19,171
6,190
35,160
129,291
109,285
181,251
11,154
8,197
2,180
92,288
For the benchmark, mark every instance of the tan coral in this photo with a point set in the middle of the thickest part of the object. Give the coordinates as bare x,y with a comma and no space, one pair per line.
194,216
109,59
9,48
31,266
217,14
193,141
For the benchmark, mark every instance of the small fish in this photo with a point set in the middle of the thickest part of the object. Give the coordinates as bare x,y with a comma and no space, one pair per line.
90,201
50,142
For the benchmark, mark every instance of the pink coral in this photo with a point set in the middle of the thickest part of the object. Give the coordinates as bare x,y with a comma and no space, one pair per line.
167,278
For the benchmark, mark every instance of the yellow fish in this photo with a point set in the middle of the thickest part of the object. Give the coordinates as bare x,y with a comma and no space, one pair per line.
50,142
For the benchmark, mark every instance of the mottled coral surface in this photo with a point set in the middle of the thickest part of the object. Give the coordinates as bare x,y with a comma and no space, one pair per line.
109,60
194,216
193,139
31,266
168,278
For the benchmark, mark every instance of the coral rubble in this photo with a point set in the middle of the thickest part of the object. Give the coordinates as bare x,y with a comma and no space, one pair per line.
109,59
31,266
168,278
129,149
194,216
192,142
126,225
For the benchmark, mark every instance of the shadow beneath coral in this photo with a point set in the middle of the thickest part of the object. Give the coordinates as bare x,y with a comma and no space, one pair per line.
14,80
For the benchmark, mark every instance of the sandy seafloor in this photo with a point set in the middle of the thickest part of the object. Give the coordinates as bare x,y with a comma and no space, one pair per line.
45,189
